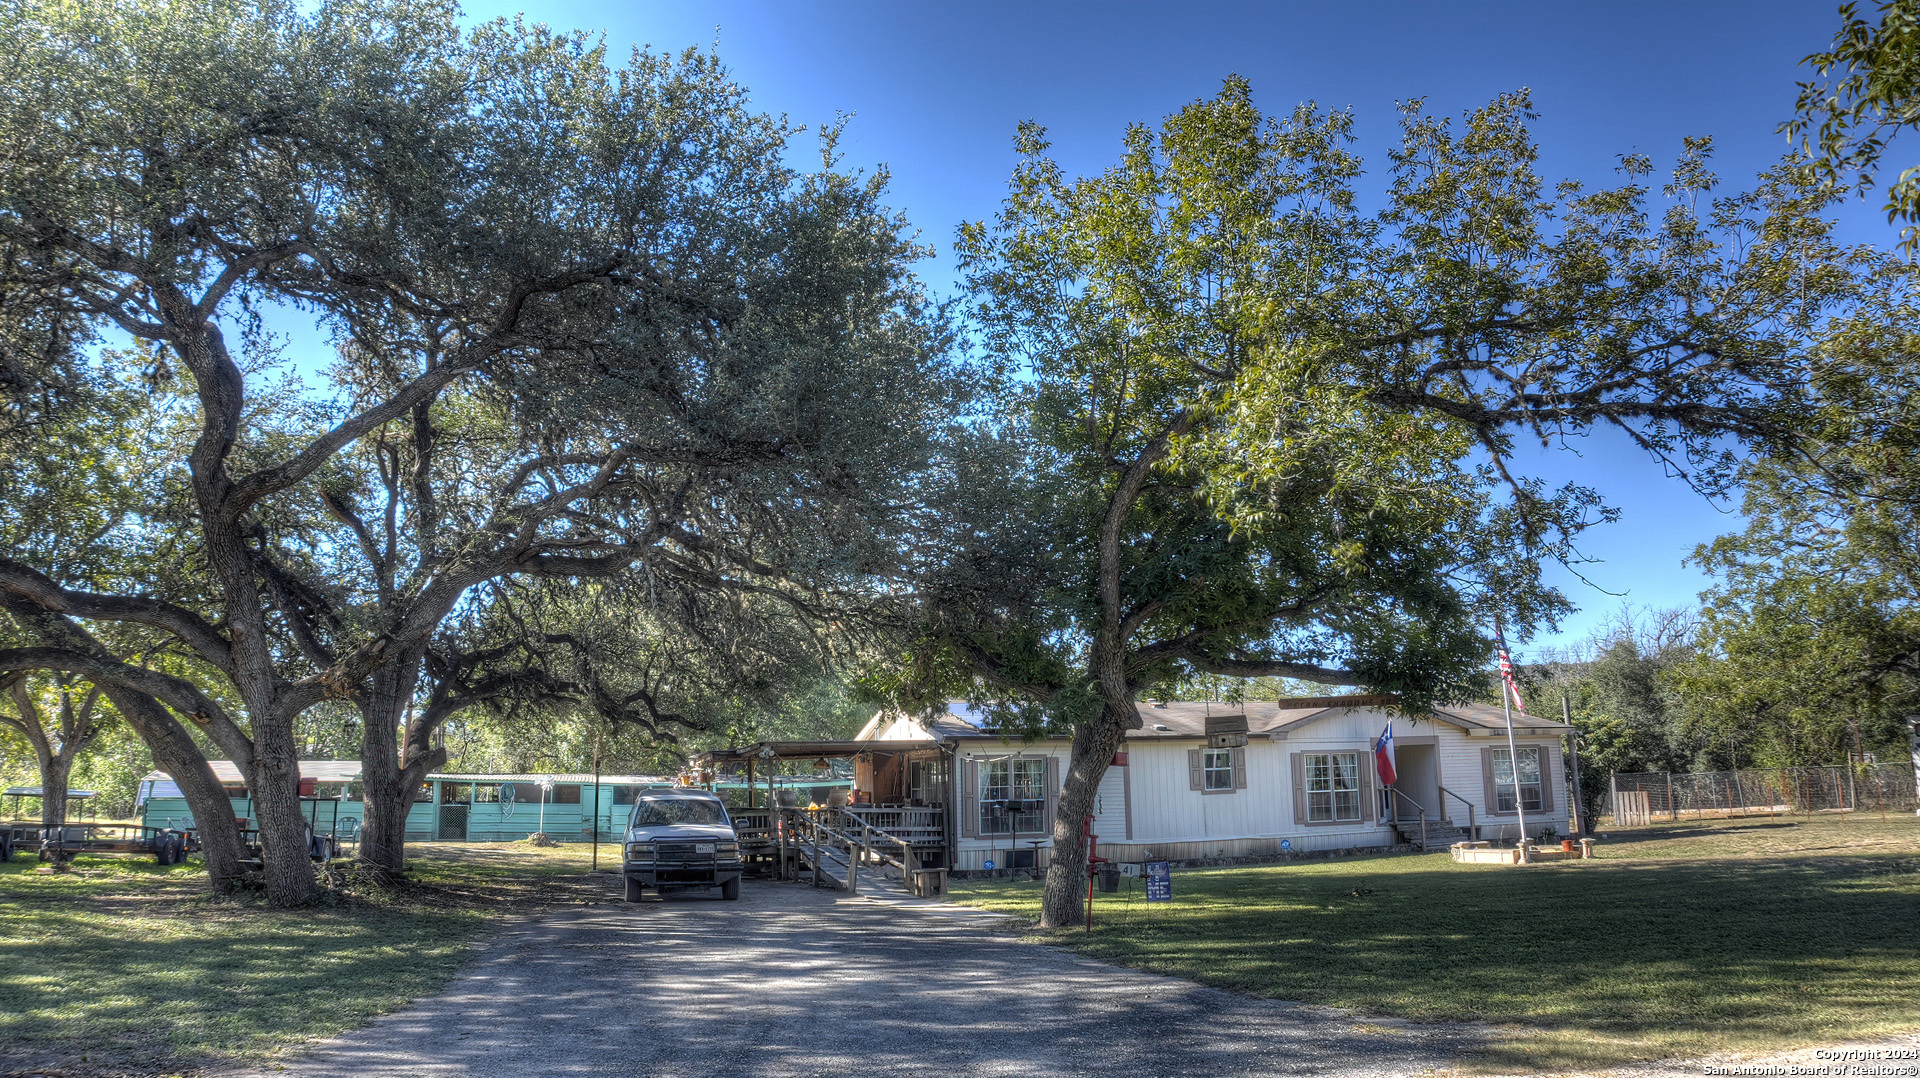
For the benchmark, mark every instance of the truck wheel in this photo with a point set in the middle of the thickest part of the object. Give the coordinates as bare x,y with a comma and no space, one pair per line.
633,889
730,890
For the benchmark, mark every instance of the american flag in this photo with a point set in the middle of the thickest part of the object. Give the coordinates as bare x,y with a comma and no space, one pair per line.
1506,671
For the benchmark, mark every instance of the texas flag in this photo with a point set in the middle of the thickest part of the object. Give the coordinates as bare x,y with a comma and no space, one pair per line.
1383,755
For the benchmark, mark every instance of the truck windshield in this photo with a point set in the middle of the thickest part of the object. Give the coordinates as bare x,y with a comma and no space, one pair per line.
657,812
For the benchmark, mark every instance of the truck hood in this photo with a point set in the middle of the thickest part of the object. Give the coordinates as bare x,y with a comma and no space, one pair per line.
683,832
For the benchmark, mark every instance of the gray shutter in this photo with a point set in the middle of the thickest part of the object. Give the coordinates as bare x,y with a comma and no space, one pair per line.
1239,758
1368,798
969,798
1053,792
1486,777
1195,777
1299,788
1547,771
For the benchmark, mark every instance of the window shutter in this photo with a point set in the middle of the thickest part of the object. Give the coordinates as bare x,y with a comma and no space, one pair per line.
1547,771
1053,792
1239,757
1195,779
969,798
1299,789
1486,776
1368,808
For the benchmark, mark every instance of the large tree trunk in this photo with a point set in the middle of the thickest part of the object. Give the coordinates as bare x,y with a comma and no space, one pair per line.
175,753
1062,904
284,855
395,756
56,768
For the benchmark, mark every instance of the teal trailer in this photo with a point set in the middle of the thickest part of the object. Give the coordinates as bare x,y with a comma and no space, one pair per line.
447,807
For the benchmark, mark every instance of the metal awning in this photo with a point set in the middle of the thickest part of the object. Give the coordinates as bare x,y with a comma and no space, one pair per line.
797,750
34,791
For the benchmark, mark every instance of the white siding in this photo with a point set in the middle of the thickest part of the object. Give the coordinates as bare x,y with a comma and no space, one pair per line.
1110,806
1462,773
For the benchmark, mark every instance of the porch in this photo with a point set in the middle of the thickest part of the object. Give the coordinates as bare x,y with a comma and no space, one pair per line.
897,804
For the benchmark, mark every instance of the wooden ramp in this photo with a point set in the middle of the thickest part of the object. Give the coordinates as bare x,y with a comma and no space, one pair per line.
836,870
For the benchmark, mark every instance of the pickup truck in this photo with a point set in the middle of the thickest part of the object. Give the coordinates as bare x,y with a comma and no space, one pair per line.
681,840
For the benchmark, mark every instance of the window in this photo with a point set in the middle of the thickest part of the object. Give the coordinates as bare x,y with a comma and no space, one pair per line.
424,794
924,785
1217,769
668,811
566,795
1529,780
486,793
1333,786
1013,796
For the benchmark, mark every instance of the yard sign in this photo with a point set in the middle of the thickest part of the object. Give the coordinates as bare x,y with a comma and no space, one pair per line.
1159,881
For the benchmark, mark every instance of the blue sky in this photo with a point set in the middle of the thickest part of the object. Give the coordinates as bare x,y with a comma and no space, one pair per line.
936,89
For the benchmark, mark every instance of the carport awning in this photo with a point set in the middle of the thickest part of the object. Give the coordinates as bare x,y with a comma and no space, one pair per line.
796,750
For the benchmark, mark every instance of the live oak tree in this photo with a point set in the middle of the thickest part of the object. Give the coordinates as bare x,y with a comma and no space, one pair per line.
59,720
1865,92
586,319
1269,434
81,455
1811,643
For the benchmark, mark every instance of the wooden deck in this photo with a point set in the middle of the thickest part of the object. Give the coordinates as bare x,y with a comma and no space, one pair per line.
837,847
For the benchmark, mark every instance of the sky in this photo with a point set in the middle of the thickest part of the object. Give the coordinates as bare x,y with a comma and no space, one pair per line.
935,90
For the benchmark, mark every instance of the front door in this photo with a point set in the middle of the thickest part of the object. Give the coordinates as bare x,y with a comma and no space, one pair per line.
453,823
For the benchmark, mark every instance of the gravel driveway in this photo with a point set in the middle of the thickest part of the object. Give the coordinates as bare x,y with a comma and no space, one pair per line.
792,981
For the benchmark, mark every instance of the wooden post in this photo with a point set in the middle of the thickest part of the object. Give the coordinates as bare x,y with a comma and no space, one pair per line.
1913,747
816,850
1673,807
854,852
778,816
596,803
1573,759
749,784
1613,786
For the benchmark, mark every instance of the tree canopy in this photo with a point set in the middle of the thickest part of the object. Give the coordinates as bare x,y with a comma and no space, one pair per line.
1269,434
587,318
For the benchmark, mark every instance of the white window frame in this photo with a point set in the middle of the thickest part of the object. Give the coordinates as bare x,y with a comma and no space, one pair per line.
1332,789
1216,770
1532,793
1016,778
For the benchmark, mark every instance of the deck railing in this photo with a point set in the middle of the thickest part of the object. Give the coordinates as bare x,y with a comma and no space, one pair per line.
919,825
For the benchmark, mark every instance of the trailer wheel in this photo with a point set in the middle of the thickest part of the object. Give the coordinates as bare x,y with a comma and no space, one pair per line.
730,890
633,889
6,848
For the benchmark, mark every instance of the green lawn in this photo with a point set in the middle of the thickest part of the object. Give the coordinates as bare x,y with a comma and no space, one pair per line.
1737,935
121,965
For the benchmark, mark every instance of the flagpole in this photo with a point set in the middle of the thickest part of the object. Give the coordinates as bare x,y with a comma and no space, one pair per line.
1513,757
1507,691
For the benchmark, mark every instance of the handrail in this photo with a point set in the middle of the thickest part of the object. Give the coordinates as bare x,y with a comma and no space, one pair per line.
1473,831
1418,807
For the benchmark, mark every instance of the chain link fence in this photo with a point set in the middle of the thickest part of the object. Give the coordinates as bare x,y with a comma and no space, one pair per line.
1637,800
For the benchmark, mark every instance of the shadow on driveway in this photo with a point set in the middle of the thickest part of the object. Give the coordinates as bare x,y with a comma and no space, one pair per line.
792,981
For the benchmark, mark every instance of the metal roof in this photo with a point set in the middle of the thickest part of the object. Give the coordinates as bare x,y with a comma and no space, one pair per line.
349,770
797,750
1189,719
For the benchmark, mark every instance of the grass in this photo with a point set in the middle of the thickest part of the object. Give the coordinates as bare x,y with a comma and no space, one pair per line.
1738,936
121,965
